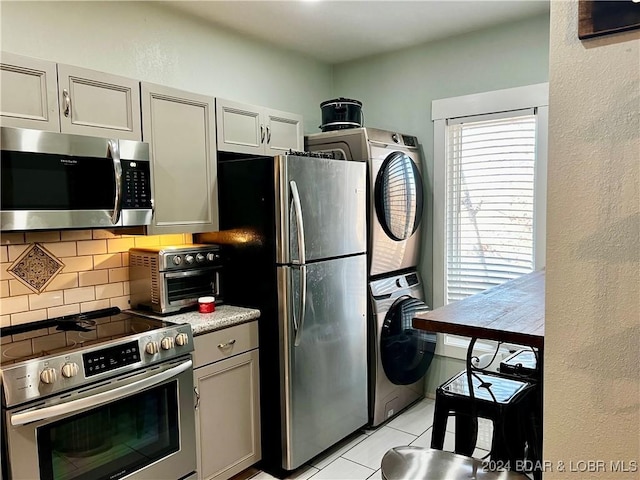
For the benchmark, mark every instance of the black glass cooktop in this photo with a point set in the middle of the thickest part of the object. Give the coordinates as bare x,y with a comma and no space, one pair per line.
71,333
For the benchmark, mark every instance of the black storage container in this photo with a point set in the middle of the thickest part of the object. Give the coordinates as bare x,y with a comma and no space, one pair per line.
341,113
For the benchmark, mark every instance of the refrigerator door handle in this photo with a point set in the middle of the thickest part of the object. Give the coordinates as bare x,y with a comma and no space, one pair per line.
297,326
297,208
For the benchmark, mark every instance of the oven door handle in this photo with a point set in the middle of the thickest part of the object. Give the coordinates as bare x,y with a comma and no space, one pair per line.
99,398
191,273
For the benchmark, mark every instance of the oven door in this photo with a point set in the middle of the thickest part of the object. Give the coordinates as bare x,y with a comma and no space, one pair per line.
182,289
141,426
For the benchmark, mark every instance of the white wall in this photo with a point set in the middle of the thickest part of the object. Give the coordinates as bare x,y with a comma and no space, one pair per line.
147,41
397,88
592,330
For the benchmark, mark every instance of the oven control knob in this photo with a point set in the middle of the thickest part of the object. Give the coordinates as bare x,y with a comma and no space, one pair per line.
177,260
70,370
182,339
152,348
211,257
48,376
166,343
200,258
189,259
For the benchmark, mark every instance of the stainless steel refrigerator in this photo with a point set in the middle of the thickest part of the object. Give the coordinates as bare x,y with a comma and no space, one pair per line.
293,230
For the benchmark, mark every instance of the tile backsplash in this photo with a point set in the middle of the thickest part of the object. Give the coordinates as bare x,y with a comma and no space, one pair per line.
94,271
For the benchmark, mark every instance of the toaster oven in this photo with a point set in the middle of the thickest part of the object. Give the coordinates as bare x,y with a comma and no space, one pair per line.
169,279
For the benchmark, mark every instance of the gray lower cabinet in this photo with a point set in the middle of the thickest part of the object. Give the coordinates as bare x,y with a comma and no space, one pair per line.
179,127
255,130
44,95
226,380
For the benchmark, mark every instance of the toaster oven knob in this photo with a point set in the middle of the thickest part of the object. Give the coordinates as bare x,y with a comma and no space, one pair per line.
70,370
48,376
200,258
177,260
182,339
189,259
152,348
166,343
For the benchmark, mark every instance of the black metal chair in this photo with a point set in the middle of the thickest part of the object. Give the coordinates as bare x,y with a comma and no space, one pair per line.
415,463
506,402
526,365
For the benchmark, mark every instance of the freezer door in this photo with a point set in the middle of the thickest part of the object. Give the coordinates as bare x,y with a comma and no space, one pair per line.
323,355
320,208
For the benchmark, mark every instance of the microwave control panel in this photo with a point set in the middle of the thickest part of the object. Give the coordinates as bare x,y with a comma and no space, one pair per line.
136,184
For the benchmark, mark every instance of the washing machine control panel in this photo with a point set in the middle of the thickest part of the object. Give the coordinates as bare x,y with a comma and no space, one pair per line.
412,279
410,141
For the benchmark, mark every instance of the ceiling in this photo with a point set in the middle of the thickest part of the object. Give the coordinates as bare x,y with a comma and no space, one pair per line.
341,30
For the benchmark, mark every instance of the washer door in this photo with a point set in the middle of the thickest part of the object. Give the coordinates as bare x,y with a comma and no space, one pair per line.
405,352
398,196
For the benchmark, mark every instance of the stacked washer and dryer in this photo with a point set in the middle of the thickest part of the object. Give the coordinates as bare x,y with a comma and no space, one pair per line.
399,355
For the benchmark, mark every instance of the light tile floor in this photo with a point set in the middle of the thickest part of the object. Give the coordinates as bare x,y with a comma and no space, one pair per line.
359,456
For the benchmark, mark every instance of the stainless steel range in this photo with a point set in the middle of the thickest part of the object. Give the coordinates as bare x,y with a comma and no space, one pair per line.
102,395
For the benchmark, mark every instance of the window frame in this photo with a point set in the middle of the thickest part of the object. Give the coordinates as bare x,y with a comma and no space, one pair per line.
498,101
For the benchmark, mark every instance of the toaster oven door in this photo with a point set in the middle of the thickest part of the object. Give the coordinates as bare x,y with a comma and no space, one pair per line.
182,289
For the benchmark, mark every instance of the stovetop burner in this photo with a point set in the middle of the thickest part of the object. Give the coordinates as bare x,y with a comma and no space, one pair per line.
65,334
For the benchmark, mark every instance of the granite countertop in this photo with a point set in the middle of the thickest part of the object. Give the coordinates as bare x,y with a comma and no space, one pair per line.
224,316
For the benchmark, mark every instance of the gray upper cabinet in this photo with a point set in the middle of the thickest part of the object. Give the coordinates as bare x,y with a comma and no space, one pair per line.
61,98
179,127
100,104
28,93
255,130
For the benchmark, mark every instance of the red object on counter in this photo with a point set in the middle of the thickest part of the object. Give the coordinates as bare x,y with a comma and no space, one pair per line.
207,304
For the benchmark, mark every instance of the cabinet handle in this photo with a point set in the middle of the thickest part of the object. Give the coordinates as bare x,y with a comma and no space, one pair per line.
195,390
67,102
261,133
268,135
228,344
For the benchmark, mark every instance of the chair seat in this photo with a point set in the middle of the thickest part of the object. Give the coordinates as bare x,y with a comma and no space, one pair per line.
487,387
415,463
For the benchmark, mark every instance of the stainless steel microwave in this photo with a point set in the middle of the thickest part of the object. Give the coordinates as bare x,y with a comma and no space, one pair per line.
55,181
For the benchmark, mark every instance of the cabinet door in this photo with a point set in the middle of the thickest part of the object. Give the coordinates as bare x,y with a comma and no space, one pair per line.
179,128
97,103
228,416
28,93
284,132
240,127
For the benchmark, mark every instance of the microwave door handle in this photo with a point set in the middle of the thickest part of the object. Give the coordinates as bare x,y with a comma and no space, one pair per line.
114,153
99,398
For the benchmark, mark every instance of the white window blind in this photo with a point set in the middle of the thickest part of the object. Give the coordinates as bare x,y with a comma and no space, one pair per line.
490,168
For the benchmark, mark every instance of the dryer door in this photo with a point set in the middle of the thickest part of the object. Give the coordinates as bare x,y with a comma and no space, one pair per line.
398,196
405,352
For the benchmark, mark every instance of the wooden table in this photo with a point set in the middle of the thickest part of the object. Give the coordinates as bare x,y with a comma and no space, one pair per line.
512,312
